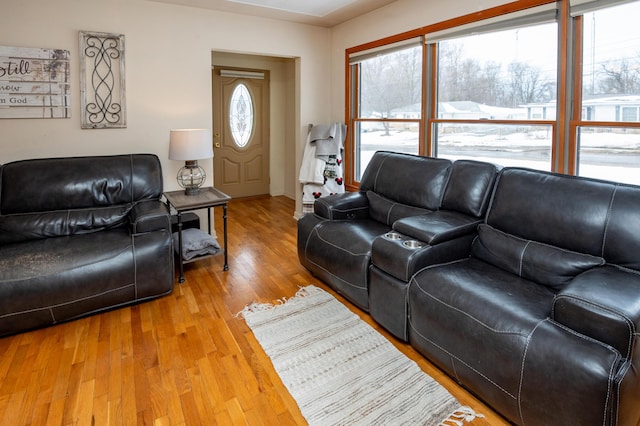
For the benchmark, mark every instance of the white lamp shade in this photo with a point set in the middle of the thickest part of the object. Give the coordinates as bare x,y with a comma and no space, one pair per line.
190,144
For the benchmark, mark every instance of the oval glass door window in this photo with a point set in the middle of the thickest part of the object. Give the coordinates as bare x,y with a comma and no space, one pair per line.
241,115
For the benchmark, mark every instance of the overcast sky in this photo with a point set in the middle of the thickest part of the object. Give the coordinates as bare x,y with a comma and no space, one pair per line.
617,35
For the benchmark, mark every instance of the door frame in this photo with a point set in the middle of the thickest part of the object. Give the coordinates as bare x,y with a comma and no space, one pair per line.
285,132
245,76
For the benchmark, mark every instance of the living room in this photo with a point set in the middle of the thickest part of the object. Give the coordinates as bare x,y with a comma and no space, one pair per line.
168,63
170,51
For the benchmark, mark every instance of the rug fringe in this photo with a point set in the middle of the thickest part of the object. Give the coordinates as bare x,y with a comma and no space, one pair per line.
303,291
462,415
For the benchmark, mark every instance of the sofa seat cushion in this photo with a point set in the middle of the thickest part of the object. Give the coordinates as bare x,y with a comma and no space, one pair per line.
340,253
56,279
542,263
474,320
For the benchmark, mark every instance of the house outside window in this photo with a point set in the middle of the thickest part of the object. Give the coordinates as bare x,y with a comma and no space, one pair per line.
493,90
389,104
608,137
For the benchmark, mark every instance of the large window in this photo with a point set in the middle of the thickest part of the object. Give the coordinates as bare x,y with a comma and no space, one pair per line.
550,85
485,82
608,143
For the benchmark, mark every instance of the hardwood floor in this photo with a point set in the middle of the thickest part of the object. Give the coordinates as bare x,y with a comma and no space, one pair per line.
183,359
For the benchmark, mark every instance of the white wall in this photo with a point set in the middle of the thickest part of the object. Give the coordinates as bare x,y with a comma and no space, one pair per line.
168,72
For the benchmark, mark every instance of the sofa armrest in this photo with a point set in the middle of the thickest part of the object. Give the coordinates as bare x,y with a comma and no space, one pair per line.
437,227
604,304
149,215
350,205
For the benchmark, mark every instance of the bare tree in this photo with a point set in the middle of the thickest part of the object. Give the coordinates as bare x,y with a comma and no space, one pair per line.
467,79
527,85
620,76
389,82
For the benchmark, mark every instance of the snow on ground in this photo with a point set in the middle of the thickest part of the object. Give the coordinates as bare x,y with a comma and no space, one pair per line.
609,156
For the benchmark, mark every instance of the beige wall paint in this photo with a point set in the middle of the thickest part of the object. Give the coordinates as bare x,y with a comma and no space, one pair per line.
168,73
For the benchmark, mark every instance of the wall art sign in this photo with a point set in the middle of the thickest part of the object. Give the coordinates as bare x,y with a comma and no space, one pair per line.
34,83
102,80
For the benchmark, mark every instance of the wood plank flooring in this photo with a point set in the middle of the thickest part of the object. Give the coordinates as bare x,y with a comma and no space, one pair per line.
183,359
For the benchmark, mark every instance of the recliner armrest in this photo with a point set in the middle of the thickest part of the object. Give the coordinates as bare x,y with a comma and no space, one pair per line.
604,304
439,226
350,205
149,215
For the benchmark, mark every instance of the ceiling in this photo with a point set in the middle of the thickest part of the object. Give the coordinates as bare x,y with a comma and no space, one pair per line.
326,13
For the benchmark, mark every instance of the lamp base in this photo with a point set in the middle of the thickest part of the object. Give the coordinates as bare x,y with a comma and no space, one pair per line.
192,191
191,177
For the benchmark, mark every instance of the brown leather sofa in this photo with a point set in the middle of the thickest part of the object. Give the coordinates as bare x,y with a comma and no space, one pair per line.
80,235
535,309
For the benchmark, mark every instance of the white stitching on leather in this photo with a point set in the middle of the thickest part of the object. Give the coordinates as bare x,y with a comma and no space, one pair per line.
131,177
524,249
345,210
608,347
335,276
466,314
577,299
388,222
606,222
375,180
623,372
315,230
524,360
65,303
135,267
459,360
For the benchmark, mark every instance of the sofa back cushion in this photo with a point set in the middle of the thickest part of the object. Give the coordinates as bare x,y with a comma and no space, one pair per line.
407,179
15,228
579,214
53,184
469,187
542,263
622,235
386,211
53,197
559,210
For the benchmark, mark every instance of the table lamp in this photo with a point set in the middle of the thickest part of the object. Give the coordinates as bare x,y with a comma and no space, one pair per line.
190,145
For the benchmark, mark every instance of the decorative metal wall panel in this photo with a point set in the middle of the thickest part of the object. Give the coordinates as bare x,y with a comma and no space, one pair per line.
102,80
34,83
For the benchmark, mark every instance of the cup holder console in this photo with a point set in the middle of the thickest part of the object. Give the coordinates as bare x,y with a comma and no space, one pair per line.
392,236
413,244
410,244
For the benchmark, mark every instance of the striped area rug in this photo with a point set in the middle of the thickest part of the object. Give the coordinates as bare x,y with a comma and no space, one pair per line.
341,371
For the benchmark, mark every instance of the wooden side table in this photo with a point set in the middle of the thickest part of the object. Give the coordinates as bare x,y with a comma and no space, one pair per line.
208,198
